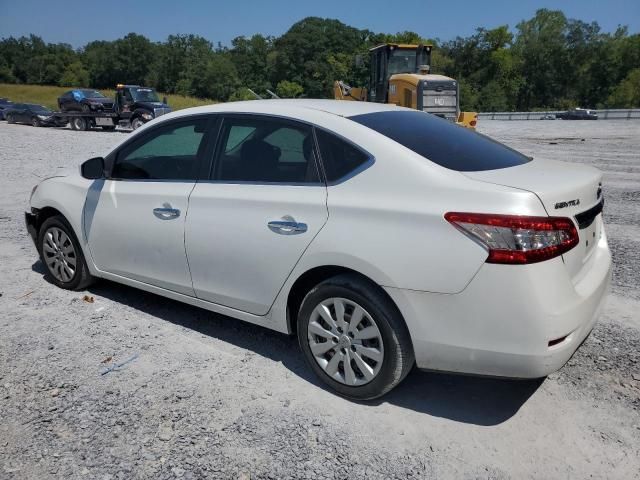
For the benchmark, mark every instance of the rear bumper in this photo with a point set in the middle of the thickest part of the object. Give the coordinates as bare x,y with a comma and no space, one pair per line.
31,222
503,322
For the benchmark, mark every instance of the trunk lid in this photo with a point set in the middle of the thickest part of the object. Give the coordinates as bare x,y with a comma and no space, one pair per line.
565,190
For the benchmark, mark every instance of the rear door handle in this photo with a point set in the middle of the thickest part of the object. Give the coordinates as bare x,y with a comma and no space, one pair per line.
166,213
287,227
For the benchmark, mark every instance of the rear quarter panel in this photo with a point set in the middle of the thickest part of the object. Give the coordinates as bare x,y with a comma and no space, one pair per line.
388,222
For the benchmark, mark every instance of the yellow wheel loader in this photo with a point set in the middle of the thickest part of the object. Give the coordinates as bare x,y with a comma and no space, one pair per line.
399,74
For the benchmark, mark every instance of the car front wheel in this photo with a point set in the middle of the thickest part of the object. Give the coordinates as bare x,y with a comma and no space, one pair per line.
354,338
136,123
60,252
35,122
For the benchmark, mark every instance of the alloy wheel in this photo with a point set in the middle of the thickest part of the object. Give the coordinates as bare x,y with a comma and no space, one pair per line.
59,254
345,341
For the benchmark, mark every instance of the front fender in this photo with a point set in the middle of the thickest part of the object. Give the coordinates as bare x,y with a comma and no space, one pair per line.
68,196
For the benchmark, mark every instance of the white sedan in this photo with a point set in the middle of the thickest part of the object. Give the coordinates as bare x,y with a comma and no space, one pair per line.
383,237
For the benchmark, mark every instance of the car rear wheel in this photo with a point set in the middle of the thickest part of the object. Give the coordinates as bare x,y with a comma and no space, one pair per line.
62,255
79,123
354,338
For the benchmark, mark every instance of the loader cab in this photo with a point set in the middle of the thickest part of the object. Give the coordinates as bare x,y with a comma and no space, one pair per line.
391,59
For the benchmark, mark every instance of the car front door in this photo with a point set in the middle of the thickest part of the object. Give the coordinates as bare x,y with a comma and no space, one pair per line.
134,220
18,113
251,222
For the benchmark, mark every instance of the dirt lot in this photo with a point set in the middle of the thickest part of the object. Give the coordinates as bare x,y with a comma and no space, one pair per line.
206,396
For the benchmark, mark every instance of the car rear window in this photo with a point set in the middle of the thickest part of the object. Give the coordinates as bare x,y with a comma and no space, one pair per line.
441,141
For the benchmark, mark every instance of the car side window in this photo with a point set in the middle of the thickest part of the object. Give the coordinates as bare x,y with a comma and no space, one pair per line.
339,158
264,150
167,153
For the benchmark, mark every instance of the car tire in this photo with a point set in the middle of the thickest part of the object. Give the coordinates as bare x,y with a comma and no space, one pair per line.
62,256
10,119
79,123
368,363
35,121
136,123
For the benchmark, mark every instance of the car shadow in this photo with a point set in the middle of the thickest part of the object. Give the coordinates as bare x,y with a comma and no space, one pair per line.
465,399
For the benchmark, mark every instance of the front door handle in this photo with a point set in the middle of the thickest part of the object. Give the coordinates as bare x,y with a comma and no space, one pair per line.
287,226
166,213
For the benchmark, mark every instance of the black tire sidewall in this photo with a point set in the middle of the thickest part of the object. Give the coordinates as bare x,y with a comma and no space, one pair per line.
79,124
382,316
81,267
136,123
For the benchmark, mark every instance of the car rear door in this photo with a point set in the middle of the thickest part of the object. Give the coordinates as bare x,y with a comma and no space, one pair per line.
134,220
251,222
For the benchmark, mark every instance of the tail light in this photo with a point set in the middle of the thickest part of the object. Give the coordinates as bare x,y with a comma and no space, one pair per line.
516,239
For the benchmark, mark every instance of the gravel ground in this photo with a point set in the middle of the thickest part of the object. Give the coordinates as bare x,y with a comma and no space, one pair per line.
206,396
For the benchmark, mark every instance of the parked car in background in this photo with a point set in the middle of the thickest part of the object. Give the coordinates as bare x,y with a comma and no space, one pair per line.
548,116
578,114
5,103
36,115
382,236
84,100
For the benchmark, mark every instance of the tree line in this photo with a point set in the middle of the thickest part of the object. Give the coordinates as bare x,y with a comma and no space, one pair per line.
546,62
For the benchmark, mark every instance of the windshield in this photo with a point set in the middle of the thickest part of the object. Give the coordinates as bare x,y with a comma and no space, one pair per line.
92,94
144,95
402,61
443,142
38,108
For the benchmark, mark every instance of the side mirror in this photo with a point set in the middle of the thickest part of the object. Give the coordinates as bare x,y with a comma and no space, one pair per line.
93,169
164,100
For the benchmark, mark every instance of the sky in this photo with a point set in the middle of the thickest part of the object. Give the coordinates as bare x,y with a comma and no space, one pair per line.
79,21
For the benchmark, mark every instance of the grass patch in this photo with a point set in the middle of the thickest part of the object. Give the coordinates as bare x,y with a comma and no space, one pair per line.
48,96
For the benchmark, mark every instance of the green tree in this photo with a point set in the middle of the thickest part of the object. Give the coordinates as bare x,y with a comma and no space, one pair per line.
217,80
286,89
242,93
251,58
103,64
135,56
627,93
75,75
545,61
315,51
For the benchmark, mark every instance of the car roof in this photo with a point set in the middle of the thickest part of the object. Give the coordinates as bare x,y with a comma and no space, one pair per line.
342,108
